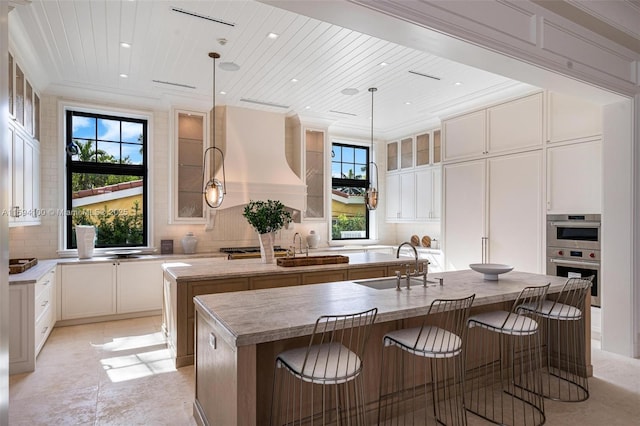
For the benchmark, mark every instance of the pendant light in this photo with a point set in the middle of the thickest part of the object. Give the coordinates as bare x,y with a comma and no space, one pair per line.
214,191
371,196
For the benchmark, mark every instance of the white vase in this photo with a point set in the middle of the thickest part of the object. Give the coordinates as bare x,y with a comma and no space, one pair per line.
189,243
266,247
313,239
85,239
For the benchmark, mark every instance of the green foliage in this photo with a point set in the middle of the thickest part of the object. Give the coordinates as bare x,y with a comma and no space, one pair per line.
347,223
113,227
266,216
87,153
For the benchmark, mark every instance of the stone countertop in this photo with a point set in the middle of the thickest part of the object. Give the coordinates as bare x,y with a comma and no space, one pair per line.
204,270
257,316
34,273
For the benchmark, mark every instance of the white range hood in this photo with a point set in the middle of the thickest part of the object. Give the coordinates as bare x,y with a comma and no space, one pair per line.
255,162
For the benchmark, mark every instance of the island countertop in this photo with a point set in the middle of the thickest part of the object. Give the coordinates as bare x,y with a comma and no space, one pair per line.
203,269
258,316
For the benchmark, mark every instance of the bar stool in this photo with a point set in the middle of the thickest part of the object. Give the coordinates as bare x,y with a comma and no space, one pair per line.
324,374
562,320
504,384
428,364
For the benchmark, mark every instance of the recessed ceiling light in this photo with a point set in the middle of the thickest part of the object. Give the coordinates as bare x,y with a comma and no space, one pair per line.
350,91
294,80
307,107
407,103
229,66
457,83
383,64
273,36
124,75
222,92
125,45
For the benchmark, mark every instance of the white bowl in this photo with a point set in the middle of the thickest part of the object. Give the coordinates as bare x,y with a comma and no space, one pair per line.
490,270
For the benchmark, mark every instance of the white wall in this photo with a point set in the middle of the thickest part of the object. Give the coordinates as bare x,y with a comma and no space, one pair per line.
618,252
4,224
231,229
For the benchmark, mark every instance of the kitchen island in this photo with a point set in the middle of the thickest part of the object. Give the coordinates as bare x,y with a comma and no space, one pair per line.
185,280
238,335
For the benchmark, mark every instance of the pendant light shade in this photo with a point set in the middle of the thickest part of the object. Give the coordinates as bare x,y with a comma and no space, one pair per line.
371,195
214,190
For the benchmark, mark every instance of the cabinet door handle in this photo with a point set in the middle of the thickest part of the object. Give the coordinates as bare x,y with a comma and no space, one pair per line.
46,283
44,330
212,340
45,303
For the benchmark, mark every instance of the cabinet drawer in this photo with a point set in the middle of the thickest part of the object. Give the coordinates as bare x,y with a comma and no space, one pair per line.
43,301
261,282
45,283
43,328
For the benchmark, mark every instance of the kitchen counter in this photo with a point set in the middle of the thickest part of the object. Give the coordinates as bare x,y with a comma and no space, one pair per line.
276,306
33,274
202,270
185,280
239,334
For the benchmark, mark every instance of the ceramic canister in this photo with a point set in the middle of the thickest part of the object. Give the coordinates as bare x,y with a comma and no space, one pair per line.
189,243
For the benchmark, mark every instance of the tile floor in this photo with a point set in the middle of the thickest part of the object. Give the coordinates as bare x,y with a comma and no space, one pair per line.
118,373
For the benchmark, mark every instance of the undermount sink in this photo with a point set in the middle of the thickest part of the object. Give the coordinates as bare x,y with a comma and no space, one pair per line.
312,260
390,282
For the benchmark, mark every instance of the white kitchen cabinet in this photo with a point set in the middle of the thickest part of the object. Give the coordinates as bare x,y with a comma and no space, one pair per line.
464,136
190,141
515,125
507,127
109,288
574,178
514,210
571,118
464,209
32,317
25,178
139,286
428,193
401,193
314,142
493,206
88,290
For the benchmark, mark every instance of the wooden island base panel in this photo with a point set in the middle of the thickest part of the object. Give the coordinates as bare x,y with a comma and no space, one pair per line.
184,281
238,335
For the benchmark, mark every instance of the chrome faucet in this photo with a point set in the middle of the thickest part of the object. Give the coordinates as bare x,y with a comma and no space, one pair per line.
297,234
417,272
415,251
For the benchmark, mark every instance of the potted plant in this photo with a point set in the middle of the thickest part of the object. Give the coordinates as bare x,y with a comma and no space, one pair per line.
266,217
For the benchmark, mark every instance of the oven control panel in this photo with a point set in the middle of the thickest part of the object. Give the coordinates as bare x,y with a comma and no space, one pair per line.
573,253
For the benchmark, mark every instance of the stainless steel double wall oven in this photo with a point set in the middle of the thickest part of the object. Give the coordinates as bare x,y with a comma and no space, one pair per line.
573,248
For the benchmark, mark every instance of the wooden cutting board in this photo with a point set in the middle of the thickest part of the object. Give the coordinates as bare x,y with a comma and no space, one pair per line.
426,241
415,241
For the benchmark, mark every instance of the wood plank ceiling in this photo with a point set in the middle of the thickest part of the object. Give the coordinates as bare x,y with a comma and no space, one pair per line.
76,46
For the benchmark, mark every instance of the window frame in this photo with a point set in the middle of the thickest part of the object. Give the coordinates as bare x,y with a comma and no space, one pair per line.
351,183
70,167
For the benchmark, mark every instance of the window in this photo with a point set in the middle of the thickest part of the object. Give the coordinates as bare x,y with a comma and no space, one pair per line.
349,181
106,178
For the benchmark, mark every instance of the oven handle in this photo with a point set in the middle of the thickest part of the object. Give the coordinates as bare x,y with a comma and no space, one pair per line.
577,224
574,262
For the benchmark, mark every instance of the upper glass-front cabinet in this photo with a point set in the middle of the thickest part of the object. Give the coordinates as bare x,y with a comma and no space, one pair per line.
314,173
190,142
428,148
422,150
11,94
406,153
24,103
392,156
